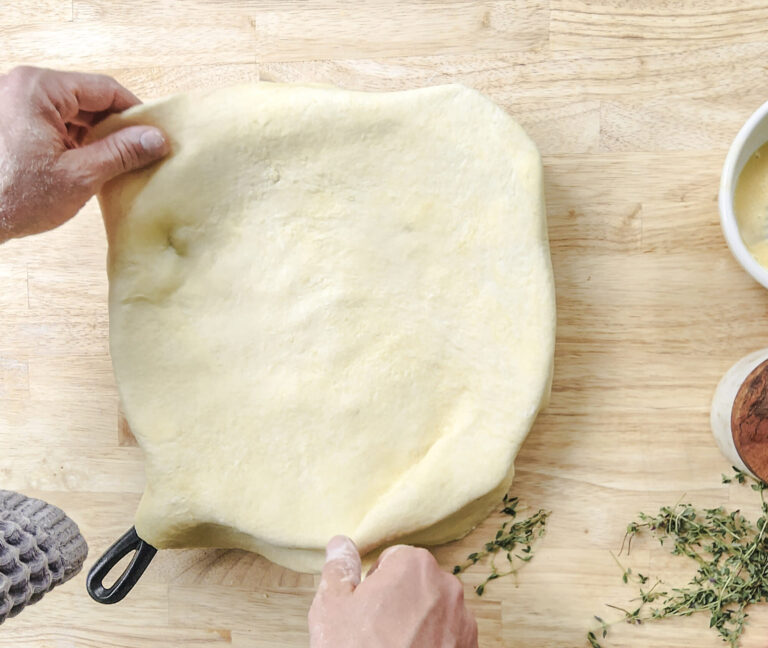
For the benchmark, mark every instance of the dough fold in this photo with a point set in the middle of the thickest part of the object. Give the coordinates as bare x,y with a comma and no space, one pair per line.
330,312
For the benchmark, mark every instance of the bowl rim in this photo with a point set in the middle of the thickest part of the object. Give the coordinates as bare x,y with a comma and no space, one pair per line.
728,180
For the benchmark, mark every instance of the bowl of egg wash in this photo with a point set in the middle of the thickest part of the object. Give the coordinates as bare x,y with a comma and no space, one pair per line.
743,198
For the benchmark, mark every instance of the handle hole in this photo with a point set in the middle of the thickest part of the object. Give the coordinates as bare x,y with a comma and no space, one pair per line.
126,560
120,566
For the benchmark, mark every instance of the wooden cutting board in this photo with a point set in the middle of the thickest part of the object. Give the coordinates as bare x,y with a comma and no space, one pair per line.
633,105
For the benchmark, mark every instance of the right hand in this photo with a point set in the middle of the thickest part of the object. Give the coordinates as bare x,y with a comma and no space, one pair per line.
406,601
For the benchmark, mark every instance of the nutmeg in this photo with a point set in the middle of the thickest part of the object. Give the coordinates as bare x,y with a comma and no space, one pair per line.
749,421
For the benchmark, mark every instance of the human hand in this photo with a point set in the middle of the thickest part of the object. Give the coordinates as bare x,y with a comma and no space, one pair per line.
406,601
46,173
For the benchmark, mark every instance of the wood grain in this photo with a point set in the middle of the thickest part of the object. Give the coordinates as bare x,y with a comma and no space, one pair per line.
650,24
21,13
633,105
139,33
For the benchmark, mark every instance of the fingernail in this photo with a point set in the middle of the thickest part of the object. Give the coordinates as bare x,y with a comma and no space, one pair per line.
152,141
339,547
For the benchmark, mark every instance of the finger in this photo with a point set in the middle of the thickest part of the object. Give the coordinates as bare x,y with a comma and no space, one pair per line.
76,135
99,117
95,93
83,118
89,119
471,624
124,150
342,570
386,554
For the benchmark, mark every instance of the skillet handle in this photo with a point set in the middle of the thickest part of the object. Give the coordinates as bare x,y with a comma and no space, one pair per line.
130,541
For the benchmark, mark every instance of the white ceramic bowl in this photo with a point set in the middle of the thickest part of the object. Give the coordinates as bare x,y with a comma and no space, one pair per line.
750,138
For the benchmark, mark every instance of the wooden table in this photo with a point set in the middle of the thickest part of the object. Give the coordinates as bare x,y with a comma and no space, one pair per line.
633,105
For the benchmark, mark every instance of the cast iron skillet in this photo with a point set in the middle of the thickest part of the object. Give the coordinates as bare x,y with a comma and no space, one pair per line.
144,553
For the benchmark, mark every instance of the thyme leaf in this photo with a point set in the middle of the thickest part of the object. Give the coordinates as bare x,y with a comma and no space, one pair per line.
520,535
731,554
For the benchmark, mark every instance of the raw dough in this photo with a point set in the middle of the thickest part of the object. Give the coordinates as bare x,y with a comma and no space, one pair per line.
330,312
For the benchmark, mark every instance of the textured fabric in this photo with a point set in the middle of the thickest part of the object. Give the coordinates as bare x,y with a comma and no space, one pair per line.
40,548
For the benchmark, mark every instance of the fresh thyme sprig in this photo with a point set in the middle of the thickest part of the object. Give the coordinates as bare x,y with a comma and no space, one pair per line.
732,557
510,536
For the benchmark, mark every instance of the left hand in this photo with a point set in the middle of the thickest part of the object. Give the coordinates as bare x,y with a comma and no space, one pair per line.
46,174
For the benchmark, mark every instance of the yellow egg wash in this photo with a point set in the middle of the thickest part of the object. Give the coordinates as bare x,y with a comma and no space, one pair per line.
750,204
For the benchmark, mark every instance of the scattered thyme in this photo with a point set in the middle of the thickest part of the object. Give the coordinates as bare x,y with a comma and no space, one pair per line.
732,557
512,535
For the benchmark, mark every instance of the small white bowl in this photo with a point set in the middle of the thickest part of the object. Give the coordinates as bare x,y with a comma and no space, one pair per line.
750,138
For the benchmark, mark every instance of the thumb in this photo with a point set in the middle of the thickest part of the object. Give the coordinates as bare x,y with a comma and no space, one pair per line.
342,570
385,555
124,150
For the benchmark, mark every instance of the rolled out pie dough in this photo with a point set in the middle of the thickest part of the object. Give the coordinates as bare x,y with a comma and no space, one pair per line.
330,312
